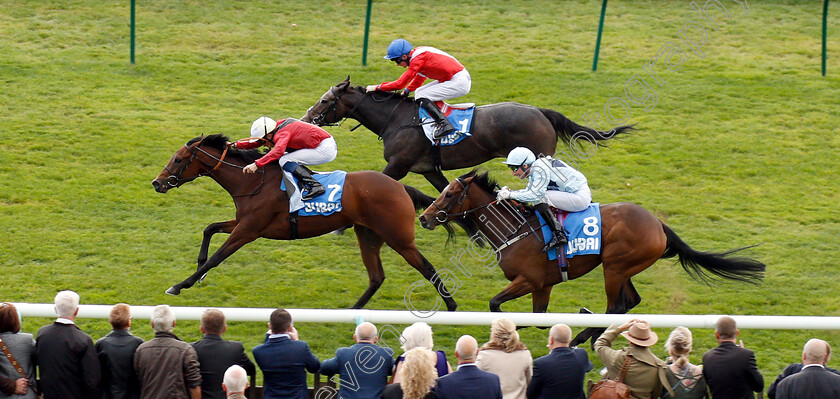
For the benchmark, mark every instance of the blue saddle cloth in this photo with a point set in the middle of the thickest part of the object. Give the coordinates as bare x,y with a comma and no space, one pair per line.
330,201
460,118
583,230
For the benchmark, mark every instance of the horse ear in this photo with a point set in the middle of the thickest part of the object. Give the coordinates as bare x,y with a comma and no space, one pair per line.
346,81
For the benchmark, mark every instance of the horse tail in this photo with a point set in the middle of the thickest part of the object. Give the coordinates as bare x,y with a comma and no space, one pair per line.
569,131
420,200
719,264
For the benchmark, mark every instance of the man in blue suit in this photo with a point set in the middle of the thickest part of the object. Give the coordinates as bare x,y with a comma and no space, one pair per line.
560,373
284,359
363,368
468,382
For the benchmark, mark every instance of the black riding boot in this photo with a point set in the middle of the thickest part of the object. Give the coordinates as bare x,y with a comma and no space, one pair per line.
443,127
314,188
559,238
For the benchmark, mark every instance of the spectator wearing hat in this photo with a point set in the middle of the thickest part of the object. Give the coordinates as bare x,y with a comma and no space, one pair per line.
645,373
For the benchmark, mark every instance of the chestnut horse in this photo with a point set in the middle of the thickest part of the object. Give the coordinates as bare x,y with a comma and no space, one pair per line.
632,240
380,209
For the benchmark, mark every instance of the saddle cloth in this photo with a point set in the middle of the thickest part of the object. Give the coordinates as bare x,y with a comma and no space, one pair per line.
325,204
459,115
583,230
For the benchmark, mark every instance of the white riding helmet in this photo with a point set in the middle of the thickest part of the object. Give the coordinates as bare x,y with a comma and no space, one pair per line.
520,156
262,126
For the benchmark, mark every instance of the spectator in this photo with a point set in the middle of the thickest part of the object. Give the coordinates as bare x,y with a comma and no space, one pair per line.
67,362
508,358
418,376
684,378
793,369
284,359
419,335
166,366
216,355
363,367
235,382
560,373
814,381
468,381
645,374
18,348
730,369
116,356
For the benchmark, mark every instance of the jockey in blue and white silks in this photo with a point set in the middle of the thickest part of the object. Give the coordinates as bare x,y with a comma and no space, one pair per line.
550,182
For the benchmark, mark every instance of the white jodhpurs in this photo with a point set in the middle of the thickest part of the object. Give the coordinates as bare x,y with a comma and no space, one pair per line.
323,153
569,202
458,86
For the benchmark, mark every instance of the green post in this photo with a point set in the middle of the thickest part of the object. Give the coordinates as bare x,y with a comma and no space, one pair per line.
825,29
132,31
598,41
367,32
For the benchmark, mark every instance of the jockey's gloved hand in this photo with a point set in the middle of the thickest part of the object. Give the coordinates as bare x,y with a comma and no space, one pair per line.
503,194
371,88
405,92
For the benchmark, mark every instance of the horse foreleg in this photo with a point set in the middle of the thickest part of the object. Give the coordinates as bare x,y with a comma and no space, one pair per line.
621,297
413,256
213,228
370,244
518,287
232,244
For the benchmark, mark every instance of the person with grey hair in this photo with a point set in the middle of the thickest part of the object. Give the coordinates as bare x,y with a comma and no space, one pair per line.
67,360
468,381
419,335
730,369
167,366
363,367
813,381
234,382
560,373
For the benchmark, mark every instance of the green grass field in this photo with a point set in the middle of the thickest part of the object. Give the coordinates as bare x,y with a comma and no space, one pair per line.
739,149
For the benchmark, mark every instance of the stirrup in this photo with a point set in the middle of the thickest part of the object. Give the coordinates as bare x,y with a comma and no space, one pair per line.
443,130
313,192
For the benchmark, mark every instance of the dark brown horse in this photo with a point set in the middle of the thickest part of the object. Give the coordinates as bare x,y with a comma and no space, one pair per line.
497,129
380,209
632,240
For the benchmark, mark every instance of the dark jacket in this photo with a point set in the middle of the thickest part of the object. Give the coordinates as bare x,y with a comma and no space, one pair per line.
790,370
812,382
469,382
284,363
215,355
394,391
166,367
116,357
360,379
67,362
731,372
560,374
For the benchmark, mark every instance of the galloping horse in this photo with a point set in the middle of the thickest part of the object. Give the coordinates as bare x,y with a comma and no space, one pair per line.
497,129
632,240
380,209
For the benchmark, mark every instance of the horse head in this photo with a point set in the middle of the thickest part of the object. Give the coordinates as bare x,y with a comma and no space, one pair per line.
330,108
459,199
191,162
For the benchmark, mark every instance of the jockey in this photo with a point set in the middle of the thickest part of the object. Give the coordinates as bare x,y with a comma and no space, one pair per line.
451,79
550,182
306,144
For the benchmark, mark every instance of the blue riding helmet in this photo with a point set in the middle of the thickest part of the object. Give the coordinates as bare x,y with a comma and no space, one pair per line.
397,48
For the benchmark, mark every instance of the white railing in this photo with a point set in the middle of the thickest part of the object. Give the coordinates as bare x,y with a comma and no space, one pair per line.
455,318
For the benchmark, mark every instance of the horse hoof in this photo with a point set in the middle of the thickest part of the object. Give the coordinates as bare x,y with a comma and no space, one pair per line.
173,291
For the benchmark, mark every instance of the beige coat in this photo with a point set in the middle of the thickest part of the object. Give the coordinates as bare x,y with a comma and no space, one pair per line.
646,372
514,370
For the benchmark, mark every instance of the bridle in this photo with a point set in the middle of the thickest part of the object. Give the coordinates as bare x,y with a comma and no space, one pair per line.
318,118
174,179
442,215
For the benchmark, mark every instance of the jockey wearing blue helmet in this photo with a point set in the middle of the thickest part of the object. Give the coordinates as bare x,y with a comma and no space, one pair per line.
421,63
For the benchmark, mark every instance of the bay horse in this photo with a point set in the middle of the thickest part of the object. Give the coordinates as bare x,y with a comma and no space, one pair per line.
497,129
381,210
632,240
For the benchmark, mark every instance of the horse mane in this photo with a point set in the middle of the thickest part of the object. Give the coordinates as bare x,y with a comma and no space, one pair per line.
483,180
391,94
219,142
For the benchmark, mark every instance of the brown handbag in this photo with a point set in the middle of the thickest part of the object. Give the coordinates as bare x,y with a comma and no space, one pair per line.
612,389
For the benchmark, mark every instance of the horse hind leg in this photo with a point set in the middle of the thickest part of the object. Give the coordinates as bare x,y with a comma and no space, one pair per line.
370,244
